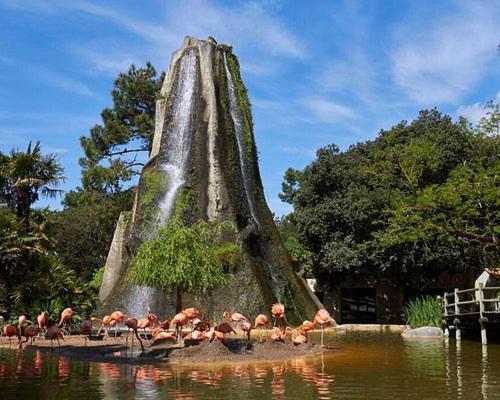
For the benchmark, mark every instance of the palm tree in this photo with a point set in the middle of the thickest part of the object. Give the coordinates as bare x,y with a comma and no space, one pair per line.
25,176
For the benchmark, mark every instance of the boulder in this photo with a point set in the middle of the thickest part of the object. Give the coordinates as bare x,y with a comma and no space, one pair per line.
423,332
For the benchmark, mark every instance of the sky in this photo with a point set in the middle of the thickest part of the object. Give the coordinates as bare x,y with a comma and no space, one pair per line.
317,72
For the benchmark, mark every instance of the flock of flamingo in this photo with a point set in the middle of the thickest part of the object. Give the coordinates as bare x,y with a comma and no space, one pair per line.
154,330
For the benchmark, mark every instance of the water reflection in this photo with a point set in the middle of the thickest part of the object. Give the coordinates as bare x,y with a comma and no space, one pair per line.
361,366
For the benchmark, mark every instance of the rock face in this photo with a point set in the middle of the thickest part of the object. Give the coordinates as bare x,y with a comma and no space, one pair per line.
204,144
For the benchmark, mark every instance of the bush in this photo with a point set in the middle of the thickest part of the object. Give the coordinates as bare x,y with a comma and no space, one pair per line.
423,311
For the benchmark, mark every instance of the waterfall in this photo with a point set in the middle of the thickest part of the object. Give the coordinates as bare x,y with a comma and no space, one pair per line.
174,156
179,133
238,129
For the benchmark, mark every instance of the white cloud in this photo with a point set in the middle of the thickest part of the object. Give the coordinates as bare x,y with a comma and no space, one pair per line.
250,26
319,109
442,60
474,112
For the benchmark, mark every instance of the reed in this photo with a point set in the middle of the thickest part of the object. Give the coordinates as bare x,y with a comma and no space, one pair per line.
423,311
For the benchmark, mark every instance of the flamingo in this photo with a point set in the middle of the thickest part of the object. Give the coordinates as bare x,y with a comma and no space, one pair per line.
299,337
234,317
179,321
10,331
21,322
200,325
307,326
192,313
158,335
322,318
30,332
164,324
278,312
195,335
104,322
260,321
212,334
148,322
66,315
132,323
279,335
86,327
225,328
117,317
54,332
42,320
247,328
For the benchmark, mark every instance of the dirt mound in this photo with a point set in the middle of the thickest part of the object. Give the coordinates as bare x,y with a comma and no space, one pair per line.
210,351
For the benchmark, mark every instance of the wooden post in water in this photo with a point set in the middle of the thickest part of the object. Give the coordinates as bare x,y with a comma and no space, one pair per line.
445,313
456,321
482,319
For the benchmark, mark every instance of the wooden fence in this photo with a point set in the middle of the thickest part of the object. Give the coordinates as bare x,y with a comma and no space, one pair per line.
481,302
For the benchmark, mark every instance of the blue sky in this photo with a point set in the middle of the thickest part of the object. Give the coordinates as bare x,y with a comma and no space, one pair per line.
317,72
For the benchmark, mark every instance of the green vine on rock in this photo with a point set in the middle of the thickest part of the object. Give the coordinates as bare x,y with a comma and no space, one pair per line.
244,104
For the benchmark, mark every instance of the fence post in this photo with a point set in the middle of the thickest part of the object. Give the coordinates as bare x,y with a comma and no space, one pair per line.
445,314
456,321
482,319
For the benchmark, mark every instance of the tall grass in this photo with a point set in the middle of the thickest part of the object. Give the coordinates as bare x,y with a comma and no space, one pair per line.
423,311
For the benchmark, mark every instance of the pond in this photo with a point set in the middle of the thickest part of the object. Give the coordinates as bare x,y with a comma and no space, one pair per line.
361,366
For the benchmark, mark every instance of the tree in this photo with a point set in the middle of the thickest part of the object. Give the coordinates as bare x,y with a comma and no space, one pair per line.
184,257
112,151
81,233
418,200
25,176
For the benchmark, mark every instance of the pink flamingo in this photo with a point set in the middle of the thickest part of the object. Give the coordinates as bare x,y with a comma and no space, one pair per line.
30,332
10,331
54,332
322,318
86,327
21,322
42,320
234,317
179,321
159,335
278,312
117,317
225,328
260,321
192,313
132,323
66,315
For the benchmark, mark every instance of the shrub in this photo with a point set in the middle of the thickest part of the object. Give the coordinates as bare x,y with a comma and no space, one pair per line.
423,311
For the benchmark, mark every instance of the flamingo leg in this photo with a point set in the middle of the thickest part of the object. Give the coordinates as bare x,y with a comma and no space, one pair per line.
322,332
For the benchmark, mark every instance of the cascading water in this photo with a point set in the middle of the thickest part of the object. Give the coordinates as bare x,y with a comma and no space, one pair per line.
179,134
237,118
175,154
238,128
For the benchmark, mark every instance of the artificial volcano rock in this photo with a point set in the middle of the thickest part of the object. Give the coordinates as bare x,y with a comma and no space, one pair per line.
204,144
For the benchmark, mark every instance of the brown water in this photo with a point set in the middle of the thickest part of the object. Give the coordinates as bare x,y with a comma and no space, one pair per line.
362,366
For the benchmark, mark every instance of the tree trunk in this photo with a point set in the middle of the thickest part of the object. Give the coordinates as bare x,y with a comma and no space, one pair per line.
178,306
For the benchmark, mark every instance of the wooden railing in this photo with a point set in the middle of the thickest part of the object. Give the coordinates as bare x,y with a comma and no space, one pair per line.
481,301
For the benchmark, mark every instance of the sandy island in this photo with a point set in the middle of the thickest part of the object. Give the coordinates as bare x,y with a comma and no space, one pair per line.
233,349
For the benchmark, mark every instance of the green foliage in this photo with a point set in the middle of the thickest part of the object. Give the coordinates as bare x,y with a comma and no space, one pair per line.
25,176
185,257
154,184
420,199
423,311
82,232
97,278
244,104
127,130
299,253
49,285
